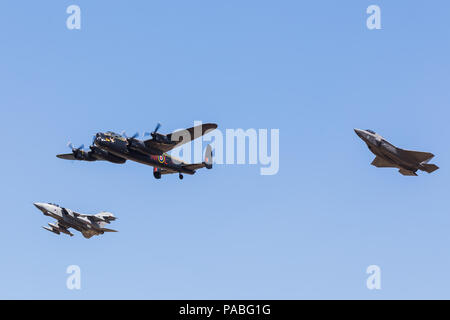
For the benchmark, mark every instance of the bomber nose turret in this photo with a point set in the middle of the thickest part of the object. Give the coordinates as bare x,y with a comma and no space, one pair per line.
99,139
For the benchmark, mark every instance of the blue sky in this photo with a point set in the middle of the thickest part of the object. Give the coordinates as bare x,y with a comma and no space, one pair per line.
310,69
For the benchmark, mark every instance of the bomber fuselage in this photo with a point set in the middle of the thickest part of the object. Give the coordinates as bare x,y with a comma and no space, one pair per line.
134,150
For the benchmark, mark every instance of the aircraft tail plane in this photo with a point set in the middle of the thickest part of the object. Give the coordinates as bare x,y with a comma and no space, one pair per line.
428,167
207,163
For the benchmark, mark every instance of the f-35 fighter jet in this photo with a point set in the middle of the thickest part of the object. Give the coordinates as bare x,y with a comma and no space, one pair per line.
389,156
88,224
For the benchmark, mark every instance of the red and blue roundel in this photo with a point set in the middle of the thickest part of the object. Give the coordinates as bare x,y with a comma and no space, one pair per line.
161,159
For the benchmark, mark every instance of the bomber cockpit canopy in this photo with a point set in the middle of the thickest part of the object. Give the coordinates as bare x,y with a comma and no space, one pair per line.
371,131
114,135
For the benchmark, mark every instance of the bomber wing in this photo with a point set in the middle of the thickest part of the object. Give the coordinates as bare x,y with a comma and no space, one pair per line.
66,156
180,137
71,156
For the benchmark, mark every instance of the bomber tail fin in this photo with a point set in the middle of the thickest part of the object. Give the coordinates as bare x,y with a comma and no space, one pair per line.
208,157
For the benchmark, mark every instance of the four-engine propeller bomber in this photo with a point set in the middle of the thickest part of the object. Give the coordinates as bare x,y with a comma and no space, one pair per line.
117,148
88,224
389,156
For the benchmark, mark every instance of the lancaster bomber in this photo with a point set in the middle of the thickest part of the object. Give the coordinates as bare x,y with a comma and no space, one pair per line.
88,224
118,148
389,156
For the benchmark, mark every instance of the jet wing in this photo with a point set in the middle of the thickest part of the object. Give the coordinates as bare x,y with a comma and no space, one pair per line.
181,137
417,155
91,217
382,163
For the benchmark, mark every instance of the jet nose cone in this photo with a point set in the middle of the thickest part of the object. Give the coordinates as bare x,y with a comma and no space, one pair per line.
39,205
358,132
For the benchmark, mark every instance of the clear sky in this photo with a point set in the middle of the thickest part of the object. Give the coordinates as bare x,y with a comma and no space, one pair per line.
311,69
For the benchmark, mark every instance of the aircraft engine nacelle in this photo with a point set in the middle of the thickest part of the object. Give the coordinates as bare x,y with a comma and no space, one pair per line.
105,155
162,138
136,145
80,154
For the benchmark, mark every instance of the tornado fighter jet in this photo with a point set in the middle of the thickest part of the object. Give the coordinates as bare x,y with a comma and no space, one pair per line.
118,148
389,156
88,224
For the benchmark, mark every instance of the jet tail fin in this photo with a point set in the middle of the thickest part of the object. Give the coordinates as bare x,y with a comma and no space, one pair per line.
428,167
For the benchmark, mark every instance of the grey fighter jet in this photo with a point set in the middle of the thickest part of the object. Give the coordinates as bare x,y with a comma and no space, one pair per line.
88,224
389,156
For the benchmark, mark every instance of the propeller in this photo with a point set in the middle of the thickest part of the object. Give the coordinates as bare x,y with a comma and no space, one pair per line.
70,145
153,134
130,140
158,125
158,137
93,142
134,136
76,151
